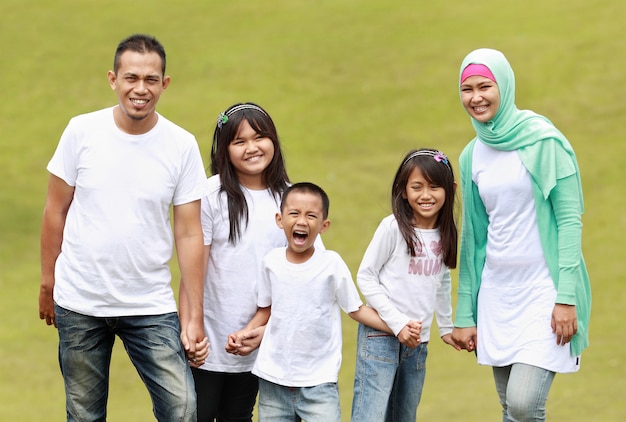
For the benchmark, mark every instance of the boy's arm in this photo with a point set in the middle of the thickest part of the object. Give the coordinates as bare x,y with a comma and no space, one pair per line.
248,339
409,335
368,316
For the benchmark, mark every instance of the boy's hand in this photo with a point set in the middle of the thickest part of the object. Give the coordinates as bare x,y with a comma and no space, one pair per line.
244,342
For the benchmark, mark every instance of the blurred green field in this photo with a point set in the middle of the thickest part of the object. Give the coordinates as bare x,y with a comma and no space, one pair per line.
352,85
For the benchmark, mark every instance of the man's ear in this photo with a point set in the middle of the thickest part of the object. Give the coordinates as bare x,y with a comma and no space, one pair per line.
166,82
111,77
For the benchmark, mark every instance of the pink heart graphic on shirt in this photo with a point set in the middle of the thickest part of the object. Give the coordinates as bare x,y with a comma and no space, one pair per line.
436,247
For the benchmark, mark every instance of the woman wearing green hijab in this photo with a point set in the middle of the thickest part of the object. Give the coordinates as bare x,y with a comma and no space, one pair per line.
524,296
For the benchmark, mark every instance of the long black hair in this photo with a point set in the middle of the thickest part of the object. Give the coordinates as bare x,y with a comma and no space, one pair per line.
274,176
436,169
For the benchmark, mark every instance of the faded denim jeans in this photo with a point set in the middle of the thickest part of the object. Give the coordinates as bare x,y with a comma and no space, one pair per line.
388,378
154,347
278,403
523,391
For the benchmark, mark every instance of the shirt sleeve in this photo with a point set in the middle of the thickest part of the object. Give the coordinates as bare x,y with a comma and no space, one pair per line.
63,163
377,254
347,295
192,178
443,305
264,295
565,198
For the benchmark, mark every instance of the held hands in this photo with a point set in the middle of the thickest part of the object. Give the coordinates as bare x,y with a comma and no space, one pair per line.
564,323
447,338
409,336
197,351
244,342
465,338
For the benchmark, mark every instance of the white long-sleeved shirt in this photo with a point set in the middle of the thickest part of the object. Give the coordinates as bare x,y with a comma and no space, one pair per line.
401,287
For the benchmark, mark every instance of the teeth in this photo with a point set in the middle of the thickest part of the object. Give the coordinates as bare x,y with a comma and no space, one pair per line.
480,109
139,101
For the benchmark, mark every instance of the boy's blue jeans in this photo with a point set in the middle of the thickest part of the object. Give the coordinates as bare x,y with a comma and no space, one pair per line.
278,403
523,391
388,378
154,347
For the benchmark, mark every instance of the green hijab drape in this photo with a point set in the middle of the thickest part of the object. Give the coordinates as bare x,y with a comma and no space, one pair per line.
530,133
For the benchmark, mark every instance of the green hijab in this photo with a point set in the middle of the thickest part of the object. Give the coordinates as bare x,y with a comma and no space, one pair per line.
543,149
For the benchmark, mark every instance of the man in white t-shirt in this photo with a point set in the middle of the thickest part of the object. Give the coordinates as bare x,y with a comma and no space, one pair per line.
106,241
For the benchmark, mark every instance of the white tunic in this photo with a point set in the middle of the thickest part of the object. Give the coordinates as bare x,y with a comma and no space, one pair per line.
231,284
517,294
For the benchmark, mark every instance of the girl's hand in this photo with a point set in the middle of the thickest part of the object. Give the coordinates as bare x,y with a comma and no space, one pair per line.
415,327
202,350
465,338
447,338
244,342
408,337
234,342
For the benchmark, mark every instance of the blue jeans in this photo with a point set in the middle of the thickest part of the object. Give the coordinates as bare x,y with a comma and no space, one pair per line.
154,347
278,403
523,391
388,378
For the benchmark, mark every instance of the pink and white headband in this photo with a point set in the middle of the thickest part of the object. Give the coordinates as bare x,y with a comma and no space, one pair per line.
477,70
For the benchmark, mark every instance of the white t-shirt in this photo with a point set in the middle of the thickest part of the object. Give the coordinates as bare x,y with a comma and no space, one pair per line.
517,294
230,294
401,287
117,240
302,342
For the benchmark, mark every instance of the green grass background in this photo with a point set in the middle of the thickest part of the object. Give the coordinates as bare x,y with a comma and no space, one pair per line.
352,85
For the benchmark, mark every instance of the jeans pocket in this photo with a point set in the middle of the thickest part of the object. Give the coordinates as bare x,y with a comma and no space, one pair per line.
378,345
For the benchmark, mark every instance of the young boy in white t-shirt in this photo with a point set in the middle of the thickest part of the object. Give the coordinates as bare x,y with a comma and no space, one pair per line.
304,289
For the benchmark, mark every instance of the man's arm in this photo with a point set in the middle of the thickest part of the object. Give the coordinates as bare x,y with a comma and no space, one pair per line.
58,200
190,247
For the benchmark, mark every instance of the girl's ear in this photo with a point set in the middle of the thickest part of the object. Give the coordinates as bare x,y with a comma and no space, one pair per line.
454,185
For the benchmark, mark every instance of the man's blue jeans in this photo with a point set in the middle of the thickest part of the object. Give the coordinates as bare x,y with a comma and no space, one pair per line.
154,347
388,379
523,391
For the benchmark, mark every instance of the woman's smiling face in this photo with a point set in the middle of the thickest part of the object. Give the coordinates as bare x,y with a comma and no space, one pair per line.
480,97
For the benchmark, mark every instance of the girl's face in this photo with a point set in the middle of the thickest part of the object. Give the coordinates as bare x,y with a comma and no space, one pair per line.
250,154
425,198
480,97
